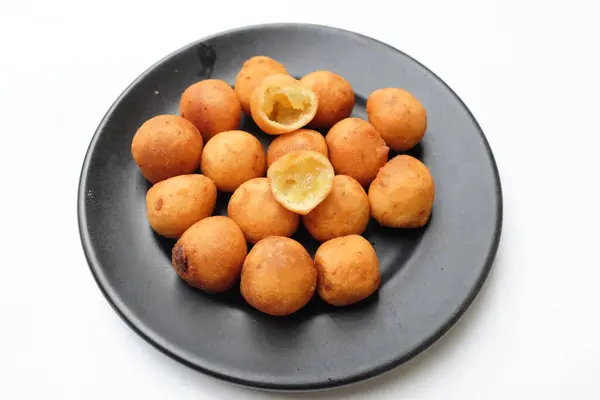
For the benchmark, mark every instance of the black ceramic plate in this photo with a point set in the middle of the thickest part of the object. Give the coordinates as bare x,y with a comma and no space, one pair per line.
429,275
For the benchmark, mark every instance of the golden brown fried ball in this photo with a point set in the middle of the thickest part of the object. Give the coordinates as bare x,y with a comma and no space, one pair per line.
281,104
348,270
402,194
399,117
212,106
356,149
251,75
232,158
345,211
278,277
336,97
302,139
175,204
258,214
210,254
166,146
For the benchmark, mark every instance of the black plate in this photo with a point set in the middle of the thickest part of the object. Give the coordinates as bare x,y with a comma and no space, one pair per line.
429,276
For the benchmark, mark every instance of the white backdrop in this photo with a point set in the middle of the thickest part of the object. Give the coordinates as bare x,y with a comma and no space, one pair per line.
528,70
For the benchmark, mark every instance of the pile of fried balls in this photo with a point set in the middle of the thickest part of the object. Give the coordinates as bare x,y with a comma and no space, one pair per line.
319,179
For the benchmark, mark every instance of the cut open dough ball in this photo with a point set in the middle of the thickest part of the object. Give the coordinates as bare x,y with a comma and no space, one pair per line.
281,104
301,180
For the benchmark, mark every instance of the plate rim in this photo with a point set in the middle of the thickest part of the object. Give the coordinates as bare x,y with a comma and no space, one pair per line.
135,324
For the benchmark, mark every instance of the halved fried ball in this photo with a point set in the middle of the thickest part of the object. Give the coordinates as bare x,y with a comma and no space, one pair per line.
166,146
278,276
301,180
348,270
356,149
258,214
251,75
402,194
345,211
175,204
212,106
232,158
336,97
399,117
210,254
281,104
302,139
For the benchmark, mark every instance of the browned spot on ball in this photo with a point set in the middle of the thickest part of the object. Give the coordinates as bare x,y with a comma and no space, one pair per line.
159,203
391,100
180,261
377,282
